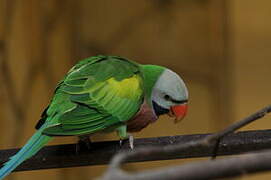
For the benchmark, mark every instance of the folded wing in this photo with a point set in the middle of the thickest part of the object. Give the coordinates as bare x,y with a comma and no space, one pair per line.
98,94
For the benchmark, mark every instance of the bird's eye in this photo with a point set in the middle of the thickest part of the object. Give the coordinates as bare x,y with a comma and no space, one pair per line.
167,97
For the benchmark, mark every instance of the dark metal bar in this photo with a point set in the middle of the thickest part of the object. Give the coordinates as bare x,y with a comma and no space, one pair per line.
61,156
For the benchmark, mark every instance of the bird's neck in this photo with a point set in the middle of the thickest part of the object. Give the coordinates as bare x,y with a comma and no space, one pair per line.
150,73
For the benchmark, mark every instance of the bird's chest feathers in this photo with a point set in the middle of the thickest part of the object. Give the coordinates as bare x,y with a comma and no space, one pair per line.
142,119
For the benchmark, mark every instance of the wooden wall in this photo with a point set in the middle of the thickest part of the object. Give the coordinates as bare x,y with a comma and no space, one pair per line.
220,48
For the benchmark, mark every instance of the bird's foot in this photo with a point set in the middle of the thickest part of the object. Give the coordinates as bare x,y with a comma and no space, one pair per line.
131,141
83,143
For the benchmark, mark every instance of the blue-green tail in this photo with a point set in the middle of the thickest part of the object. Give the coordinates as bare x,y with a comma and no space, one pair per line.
34,144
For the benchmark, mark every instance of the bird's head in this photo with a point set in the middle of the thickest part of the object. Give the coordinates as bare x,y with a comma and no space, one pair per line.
170,95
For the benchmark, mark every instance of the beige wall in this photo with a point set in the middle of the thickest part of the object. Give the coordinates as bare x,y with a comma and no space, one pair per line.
220,48
251,53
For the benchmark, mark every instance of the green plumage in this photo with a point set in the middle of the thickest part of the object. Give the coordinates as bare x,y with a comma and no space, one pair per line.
98,94
89,99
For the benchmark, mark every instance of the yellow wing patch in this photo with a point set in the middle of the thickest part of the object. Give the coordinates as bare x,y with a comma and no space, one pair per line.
127,88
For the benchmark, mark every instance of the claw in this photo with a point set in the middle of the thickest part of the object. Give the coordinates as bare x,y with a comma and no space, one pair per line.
121,142
131,141
84,143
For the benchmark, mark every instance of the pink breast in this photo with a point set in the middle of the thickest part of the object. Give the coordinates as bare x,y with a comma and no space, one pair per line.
142,119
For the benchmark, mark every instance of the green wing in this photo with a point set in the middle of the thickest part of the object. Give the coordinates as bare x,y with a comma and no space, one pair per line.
98,93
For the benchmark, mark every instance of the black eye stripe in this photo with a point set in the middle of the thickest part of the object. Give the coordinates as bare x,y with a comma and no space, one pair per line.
168,98
179,102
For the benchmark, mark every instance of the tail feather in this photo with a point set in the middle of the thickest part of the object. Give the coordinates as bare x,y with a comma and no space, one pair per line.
34,144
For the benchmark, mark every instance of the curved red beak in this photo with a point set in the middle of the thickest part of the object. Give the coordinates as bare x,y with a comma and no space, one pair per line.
178,111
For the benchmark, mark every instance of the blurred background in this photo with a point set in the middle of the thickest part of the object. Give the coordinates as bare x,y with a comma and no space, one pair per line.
221,48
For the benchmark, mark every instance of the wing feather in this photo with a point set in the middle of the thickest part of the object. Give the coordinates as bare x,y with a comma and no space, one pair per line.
96,95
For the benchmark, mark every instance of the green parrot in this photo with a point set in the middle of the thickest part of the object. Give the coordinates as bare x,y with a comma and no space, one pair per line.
105,94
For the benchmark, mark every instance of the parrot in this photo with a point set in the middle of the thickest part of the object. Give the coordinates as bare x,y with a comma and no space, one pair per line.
103,94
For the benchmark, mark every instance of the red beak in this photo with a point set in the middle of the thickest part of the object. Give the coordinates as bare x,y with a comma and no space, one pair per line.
179,112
